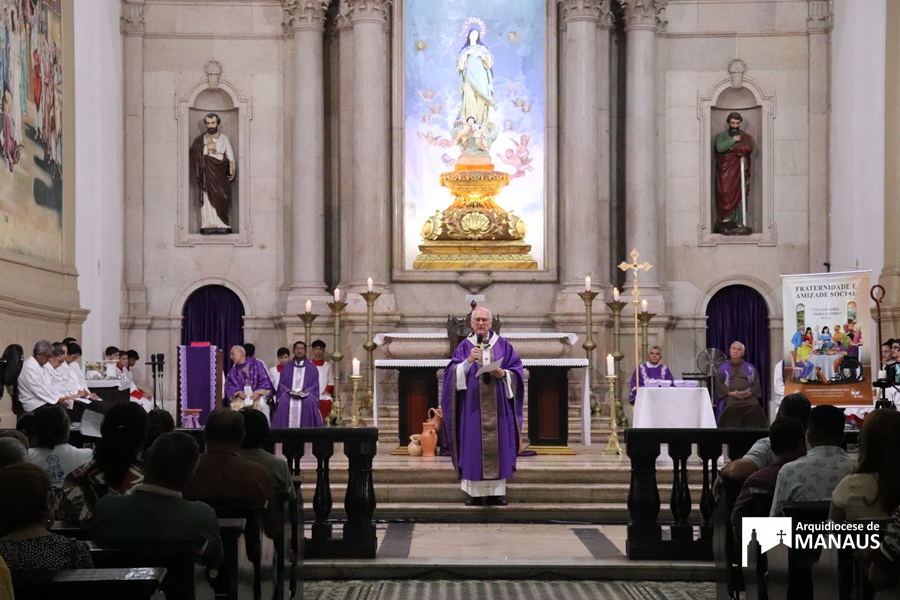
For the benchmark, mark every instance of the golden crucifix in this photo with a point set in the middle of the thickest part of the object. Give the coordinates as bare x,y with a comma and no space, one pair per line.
635,292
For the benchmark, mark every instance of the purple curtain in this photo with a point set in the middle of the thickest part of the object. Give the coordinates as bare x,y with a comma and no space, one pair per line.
214,314
739,313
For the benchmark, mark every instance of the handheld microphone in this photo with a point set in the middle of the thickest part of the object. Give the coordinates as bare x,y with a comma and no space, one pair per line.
486,377
161,360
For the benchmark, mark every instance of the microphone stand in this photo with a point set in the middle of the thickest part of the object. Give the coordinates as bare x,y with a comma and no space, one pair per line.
157,361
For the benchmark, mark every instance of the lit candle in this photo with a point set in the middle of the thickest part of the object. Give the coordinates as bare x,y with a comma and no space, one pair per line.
610,364
616,294
370,285
337,294
308,306
356,367
587,283
643,306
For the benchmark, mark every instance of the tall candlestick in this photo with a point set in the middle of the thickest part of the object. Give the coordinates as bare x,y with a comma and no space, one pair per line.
370,285
337,295
337,408
610,365
356,366
587,283
308,306
369,346
589,345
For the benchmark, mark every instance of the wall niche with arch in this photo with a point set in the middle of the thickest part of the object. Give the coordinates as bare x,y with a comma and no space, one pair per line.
213,95
757,109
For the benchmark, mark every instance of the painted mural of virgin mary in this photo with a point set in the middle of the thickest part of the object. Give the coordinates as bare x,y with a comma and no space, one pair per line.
476,78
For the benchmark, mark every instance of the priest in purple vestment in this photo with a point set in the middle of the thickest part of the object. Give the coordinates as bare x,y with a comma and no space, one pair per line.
652,369
298,392
248,373
483,414
738,391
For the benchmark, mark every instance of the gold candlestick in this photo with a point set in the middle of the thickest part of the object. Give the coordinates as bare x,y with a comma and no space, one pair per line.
369,346
336,309
612,446
356,420
616,308
645,343
307,319
589,345
635,292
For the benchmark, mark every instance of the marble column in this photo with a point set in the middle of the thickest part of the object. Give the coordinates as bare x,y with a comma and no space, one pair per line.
890,273
306,20
819,25
642,230
581,152
371,149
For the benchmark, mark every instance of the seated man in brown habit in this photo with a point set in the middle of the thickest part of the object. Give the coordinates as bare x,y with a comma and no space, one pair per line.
738,392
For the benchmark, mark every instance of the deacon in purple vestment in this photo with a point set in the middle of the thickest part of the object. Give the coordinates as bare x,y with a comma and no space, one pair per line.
298,412
247,372
483,414
652,369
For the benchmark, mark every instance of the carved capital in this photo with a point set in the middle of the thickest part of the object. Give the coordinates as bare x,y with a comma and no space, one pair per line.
304,14
821,15
343,16
645,13
132,19
581,10
736,69
370,10
607,18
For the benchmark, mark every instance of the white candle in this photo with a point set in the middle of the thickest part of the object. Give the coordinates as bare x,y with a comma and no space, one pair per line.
643,306
308,306
356,367
337,294
616,294
587,283
610,364
370,285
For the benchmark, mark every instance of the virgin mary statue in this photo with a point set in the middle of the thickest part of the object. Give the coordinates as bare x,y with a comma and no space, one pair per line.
476,78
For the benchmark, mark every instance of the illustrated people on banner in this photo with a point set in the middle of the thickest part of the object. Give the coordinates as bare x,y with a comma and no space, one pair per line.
475,65
733,150
213,162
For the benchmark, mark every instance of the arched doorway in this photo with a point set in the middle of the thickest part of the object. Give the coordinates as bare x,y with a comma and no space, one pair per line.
213,314
738,312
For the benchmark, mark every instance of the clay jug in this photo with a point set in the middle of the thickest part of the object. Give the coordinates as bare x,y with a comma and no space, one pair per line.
436,416
428,439
414,447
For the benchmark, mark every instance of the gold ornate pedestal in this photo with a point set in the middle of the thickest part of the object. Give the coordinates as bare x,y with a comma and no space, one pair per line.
474,233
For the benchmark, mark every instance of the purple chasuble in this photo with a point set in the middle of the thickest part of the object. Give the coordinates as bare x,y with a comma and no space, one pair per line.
310,415
481,423
649,371
251,373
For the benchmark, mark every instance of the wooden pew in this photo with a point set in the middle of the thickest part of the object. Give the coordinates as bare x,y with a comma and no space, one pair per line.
253,516
88,584
226,585
179,557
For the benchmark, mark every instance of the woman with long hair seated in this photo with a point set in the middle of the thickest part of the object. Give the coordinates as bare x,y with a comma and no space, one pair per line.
25,515
115,468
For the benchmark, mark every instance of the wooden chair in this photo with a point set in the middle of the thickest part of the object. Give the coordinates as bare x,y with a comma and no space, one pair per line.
459,329
89,584
178,557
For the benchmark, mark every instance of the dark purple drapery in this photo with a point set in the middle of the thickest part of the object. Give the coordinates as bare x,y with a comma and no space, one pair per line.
739,313
214,314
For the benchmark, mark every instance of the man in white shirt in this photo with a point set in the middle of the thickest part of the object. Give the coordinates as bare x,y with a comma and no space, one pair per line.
35,385
76,374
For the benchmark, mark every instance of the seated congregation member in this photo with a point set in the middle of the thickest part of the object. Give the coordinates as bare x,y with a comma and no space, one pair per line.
115,468
50,449
872,490
760,455
35,385
159,421
884,568
155,509
256,430
298,392
12,452
813,477
248,383
284,355
788,443
738,391
652,369
25,512
222,475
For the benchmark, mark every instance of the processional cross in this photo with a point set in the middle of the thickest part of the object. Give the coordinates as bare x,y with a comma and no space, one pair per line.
635,266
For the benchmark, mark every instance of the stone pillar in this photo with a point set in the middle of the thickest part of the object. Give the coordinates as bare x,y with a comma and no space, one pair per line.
369,206
580,239
306,20
642,20
890,273
819,25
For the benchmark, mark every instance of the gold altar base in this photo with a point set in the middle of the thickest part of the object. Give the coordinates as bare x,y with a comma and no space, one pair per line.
456,255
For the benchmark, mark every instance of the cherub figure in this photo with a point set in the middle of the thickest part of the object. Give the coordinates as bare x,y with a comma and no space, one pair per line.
519,163
470,138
